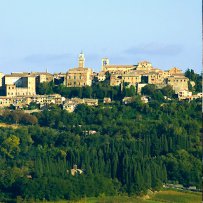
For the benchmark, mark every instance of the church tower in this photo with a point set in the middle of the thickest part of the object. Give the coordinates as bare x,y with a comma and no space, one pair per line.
81,60
105,62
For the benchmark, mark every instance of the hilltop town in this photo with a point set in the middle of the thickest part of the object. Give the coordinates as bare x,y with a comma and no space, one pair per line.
129,129
20,89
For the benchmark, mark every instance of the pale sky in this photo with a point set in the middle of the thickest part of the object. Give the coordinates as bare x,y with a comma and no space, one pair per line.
40,34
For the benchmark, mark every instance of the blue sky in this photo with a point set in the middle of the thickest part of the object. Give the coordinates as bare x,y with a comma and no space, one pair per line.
40,34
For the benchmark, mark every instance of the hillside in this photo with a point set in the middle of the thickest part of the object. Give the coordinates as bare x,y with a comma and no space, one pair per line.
159,197
118,149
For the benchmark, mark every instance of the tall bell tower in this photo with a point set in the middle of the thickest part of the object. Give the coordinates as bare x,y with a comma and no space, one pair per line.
81,60
105,62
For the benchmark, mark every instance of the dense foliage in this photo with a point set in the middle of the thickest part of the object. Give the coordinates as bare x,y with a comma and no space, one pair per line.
197,78
120,148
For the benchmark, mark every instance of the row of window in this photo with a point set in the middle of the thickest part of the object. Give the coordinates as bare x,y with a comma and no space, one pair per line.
75,77
177,80
5,102
75,83
132,78
10,88
18,93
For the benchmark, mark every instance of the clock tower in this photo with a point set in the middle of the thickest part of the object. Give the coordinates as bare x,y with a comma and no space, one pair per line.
105,62
81,60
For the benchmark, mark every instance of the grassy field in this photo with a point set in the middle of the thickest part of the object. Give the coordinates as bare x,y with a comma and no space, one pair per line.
167,196
176,196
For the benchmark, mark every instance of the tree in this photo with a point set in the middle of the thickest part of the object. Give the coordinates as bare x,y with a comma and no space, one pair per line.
10,146
28,119
45,88
168,91
189,73
87,92
148,90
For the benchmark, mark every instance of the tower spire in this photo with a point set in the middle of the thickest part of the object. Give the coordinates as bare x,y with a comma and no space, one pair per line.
81,60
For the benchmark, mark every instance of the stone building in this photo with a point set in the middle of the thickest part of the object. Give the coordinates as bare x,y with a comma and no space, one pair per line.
107,67
19,84
115,68
131,77
47,99
71,104
59,78
105,62
115,79
174,71
184,94
42,77
6,101
145,73
178,82
22,101
144,65
155,77
80,76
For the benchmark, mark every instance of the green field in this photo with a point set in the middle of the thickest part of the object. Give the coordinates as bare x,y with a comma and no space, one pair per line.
167,196
175,196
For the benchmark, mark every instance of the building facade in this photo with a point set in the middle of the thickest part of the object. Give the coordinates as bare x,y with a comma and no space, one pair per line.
178,82
107,67
80,76
19,84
